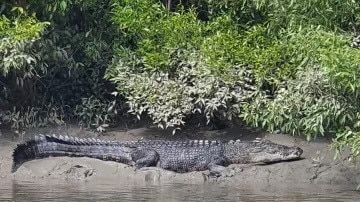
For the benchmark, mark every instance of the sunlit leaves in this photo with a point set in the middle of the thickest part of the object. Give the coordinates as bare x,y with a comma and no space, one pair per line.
22,28
171,97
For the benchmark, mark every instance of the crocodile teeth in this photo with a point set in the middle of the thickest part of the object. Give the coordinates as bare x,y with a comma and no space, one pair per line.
54,136
37,138
257,140
67,138
42,137
61,137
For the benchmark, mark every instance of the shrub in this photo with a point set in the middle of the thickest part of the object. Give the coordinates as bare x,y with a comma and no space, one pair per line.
94,113
176,54
59,64
192,88
17,36
21,119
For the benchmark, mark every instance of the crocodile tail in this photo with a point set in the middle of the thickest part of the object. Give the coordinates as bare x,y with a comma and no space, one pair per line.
22,153
43,146
31,149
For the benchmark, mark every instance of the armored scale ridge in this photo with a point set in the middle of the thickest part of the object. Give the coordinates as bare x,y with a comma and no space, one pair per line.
178,156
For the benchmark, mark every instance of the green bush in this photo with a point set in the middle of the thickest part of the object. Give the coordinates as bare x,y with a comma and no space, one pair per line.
93,113
289,14
179,54
17,36
55,55
172,70
21,119
321,98
192,88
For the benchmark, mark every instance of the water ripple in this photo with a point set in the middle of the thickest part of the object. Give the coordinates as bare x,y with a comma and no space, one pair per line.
126,191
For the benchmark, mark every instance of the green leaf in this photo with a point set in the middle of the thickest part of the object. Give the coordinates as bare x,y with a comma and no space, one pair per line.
63,5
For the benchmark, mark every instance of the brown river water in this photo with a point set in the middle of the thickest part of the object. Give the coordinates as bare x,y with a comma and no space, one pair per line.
15,190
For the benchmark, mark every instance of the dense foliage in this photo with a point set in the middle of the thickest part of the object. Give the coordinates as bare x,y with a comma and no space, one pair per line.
54,53
285,65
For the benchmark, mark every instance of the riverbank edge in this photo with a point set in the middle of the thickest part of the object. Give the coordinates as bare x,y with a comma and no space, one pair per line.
317,168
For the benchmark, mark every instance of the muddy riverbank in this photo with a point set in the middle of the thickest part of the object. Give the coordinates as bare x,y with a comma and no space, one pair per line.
318,168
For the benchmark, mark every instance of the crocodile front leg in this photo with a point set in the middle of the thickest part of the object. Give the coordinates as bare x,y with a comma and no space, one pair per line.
217,166
145,157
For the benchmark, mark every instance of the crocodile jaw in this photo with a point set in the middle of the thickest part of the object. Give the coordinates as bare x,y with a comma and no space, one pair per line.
269,157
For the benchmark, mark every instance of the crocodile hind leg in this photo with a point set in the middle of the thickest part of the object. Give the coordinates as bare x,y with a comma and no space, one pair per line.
145,158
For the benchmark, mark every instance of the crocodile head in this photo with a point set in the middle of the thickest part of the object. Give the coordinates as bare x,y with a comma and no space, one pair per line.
262,151
266,151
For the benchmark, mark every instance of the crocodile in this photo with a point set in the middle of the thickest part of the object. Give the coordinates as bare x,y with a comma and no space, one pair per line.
178,156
